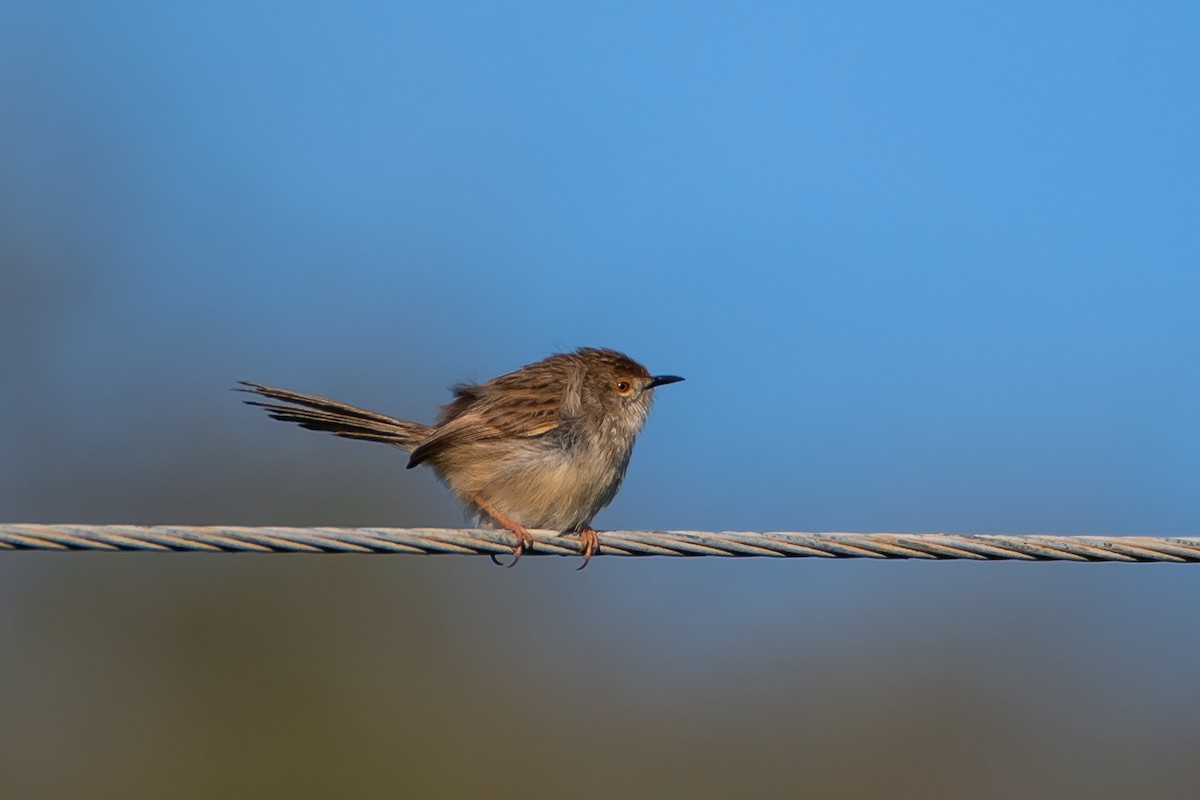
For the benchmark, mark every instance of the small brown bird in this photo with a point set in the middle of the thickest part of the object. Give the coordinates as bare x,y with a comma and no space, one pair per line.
543,447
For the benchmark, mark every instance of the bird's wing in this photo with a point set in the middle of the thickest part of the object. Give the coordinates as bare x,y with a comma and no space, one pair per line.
517,406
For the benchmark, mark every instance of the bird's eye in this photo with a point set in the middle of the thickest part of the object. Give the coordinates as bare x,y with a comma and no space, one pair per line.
622,386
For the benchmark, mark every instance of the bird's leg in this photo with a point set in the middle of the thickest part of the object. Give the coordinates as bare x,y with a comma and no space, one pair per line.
524,538
589,544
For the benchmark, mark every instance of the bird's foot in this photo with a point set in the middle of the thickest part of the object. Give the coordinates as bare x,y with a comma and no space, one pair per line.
524,537
589,544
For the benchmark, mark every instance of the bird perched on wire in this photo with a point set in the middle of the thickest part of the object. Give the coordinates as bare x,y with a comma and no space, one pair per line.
543,447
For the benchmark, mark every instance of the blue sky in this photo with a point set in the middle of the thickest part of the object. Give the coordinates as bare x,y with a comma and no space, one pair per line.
925,267
905,255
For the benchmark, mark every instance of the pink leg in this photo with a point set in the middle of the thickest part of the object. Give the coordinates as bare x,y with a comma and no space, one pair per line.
589,544
524,538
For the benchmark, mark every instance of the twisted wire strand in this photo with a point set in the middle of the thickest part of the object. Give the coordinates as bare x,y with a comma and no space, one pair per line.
429,541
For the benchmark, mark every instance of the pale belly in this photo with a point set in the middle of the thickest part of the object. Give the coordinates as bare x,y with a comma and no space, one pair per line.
555,489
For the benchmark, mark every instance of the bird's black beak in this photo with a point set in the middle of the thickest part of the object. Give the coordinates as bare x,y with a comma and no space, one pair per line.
663,380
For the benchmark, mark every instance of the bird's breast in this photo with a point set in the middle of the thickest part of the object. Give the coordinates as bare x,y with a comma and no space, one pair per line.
551,486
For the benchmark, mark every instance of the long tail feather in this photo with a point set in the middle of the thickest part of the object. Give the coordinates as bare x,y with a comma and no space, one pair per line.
340,419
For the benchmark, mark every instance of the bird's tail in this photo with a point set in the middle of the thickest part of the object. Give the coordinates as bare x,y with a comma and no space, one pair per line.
323,414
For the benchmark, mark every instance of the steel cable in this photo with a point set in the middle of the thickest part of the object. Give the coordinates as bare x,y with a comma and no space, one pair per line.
937,546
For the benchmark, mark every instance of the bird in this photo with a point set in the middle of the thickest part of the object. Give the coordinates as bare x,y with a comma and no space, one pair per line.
543,447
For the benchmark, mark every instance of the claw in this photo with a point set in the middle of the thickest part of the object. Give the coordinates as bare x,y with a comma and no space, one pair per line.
589,545
524,538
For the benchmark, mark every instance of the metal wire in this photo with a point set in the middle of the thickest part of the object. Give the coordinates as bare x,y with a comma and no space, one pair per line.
938,546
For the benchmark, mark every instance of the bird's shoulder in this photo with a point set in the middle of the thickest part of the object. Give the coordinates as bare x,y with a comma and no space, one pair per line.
533,401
